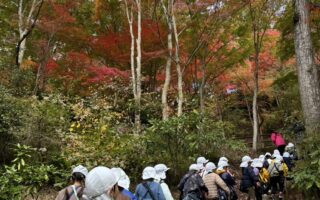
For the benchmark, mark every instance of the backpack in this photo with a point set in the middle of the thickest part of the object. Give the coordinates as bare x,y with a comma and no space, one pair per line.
275,169
191,196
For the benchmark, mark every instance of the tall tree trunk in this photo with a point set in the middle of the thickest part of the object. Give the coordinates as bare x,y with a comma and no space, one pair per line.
23,27
308,72
41,73
201,89
178,66
164,99
138,70
255,100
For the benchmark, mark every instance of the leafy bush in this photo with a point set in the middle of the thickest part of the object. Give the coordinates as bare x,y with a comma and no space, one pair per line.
307,173
179,140
25,176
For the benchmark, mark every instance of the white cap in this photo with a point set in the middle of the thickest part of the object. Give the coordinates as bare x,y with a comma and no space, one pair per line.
148,172
261,158
202,160
223,159
223,164
99,181
276,152
210,166
81,169
194,167
245,160
267,154
257,163
161,171
290,145
121,176
286,155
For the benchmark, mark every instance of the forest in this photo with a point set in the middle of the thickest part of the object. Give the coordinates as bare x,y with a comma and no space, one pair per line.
134,83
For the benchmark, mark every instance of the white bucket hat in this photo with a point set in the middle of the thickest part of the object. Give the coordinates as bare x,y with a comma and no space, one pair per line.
148,172
223,159
290,145
223,164
261,158
286,155
257,163
121,176
210,167
245,160
276,152
99,181
161,170
194,167
81,169
202,160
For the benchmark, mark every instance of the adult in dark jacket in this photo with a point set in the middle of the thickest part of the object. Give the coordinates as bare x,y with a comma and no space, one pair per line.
192,184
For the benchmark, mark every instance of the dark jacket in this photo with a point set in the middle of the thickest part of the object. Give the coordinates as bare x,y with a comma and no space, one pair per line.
249,179
192,183
289,163
228,179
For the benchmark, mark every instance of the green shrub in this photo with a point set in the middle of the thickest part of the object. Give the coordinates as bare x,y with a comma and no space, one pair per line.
178,141
25,176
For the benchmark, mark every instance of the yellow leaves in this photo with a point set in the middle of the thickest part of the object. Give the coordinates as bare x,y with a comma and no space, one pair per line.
104,128
28,64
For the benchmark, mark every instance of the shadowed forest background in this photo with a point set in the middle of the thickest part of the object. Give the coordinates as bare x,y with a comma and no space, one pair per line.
132,83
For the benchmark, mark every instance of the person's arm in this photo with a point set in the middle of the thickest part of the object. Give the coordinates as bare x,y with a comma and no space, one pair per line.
166,191
273,137
254,178
202,185
222,184
182,182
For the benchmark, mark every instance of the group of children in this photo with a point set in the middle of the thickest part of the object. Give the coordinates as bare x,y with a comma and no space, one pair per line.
204,181
267,174
102,183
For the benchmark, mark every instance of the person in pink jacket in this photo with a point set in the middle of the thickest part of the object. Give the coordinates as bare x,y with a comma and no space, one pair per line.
279,141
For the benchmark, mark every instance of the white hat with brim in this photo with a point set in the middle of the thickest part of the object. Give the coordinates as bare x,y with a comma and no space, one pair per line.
290,145
194,167
202,160
99,181
257,163
148,173
121,176
223,164
161,170
223,159
286,155
210,167
81,169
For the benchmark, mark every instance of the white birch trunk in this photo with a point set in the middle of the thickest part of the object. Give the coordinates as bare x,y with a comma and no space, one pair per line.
23,26
308,71
132,61
178,66
164,97
138,69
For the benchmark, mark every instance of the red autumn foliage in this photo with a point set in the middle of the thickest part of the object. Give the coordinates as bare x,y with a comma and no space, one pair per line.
77,71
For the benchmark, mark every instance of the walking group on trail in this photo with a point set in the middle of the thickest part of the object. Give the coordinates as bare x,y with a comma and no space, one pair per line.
262,178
